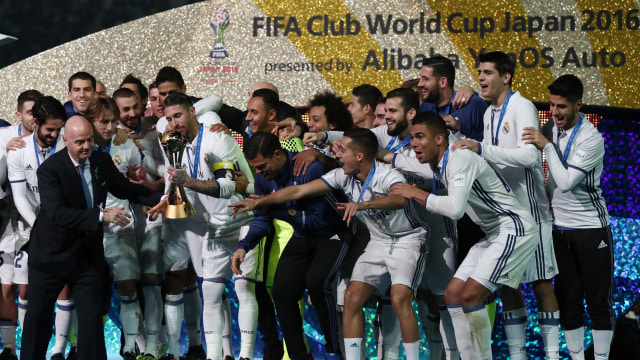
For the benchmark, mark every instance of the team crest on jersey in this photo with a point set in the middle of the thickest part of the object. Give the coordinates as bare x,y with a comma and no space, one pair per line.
117,160
206,158
506,128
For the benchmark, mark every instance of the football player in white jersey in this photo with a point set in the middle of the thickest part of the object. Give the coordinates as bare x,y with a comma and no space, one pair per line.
582,233
9,224
121,250
21,166
521,166
498,260
207,175
402,106
147,236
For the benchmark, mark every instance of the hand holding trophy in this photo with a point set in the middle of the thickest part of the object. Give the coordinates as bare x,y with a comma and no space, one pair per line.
178,206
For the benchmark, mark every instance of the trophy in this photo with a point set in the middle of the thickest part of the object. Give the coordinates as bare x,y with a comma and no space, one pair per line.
178,206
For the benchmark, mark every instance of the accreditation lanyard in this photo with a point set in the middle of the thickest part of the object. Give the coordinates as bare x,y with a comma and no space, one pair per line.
35,148
445,159
139,128
196,160
20,130
106,149
567,149
399,146
366,183
503,110
448,109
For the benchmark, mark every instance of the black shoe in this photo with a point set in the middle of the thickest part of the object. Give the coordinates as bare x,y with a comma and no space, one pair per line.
72,354
57,356
229,357
274,351
7,354
129,356
195,353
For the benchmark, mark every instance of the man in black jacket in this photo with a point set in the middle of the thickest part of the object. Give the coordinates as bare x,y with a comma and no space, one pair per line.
66,240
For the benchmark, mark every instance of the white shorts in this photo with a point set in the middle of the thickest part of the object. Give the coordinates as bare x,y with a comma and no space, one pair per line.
498,260
178,236
21,268
383,265
543,265
217,254
121,253
12,238
148,239
441,258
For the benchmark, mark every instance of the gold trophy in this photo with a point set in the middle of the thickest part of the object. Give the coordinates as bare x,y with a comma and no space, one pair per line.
178,206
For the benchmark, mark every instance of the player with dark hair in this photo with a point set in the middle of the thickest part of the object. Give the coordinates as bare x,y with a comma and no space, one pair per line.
581,228
312,256
362,105
521,166
496,261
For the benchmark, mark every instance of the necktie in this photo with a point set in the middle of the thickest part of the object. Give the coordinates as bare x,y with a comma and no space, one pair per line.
44,154
85,186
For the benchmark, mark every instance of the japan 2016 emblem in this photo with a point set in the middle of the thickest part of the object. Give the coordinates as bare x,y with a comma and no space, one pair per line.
219,21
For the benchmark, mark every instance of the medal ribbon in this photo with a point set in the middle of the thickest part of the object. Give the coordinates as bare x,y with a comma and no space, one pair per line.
445,159
35,148
400,144
503,110
196,160
366,183
567,149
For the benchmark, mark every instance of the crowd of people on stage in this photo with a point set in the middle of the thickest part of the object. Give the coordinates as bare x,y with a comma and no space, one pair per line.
427,193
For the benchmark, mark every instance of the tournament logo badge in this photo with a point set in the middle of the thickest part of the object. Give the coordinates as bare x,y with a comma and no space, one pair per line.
219,21
506,128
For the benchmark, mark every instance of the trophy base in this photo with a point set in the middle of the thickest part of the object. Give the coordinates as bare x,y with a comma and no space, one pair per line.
178,211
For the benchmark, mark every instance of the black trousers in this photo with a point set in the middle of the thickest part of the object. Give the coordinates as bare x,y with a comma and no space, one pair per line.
308,263
86,284
585,266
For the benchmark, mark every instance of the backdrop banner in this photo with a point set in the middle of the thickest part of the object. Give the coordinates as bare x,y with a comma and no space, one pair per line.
221,47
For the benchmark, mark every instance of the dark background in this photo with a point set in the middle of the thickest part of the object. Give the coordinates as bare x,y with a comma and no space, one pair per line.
43,24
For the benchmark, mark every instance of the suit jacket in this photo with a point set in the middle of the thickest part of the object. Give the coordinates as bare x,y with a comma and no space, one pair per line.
65,231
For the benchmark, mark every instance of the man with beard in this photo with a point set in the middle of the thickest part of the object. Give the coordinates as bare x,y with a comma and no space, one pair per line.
22,164
437,78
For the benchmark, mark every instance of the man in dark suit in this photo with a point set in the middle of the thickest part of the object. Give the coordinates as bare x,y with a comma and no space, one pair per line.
66,240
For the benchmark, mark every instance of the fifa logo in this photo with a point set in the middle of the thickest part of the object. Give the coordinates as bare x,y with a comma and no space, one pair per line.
219,21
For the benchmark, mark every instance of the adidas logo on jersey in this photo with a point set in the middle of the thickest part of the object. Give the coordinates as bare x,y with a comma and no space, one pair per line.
602,245
28,167
354,345
505,276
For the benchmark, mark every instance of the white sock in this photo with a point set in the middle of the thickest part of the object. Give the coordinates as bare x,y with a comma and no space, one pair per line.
412,350
461,329
480,327
130,318
227,345
22,310
212,316
548,322
515,323
575,342
192,314
152,314
448,334
390,332
247,316
352,348
8,333
174,312
63,325
601,343
431,328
